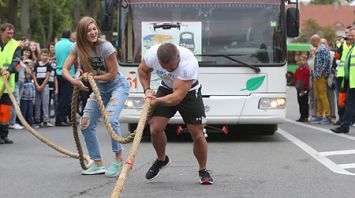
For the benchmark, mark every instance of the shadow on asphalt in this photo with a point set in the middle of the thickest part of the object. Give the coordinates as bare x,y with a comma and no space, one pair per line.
220,137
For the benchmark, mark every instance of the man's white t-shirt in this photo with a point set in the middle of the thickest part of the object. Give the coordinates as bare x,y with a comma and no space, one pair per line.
186,70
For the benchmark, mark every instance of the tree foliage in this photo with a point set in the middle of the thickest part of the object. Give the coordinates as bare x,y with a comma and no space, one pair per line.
311,27
44,20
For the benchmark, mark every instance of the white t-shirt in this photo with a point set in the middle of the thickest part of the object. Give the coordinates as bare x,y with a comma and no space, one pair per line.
186,70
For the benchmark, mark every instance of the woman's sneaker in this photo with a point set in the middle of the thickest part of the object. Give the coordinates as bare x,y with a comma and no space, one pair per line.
154,170
94,170
114,170
205,177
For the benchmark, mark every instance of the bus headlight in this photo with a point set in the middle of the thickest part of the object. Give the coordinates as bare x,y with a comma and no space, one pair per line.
134,103
272,103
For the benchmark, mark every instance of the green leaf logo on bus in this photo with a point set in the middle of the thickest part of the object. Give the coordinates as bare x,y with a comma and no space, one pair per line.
254,83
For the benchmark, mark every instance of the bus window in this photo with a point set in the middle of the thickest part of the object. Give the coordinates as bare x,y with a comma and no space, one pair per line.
294,51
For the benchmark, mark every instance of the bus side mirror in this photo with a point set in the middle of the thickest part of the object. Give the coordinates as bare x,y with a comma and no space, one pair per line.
106,15
293,22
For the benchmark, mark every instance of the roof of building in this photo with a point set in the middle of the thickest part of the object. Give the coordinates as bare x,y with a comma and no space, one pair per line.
337,16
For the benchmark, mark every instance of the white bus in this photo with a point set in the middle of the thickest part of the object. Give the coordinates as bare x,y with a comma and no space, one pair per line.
241,48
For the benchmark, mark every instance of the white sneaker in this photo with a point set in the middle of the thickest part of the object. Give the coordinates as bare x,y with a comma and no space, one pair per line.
50,124
354,125
16,126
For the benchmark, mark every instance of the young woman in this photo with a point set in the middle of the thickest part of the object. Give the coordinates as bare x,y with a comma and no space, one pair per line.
34,51
97,58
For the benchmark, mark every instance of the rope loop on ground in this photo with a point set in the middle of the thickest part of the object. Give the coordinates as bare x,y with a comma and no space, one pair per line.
85,158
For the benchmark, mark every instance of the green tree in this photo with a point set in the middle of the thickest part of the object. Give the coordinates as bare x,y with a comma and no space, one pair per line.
311,27
44,20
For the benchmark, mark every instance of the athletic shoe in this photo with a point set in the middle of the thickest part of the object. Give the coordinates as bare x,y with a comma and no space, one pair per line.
50,124
94,170
325,121
44,125
16,126
205,177
154,170
316,120
114,170
2,141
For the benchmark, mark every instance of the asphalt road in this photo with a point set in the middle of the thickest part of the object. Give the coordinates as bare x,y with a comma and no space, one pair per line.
300,160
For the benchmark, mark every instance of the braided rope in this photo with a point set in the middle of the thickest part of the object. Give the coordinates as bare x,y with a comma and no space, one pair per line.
74,107
145,114
107,123
38,135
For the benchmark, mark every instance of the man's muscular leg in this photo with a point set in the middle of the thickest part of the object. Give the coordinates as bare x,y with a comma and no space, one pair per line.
158,137
200,144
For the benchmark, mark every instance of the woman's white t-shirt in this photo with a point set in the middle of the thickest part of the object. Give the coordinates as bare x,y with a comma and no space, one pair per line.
187,69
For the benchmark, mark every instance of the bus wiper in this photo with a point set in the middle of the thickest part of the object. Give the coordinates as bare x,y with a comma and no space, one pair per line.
166,26
255,68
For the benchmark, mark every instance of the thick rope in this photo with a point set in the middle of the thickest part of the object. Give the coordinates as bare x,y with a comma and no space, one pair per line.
38,135
107,123
145,114
74,107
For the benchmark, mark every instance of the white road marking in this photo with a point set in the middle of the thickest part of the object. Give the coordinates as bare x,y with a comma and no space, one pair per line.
341,152
321,129
352,165
315,154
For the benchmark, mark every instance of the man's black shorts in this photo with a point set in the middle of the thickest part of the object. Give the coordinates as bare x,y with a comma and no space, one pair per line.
191,108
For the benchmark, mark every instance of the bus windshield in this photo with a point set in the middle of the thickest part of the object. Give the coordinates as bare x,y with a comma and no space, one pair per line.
249,32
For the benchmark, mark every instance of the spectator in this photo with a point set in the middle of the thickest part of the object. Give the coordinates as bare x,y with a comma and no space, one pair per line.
41,74
53,82
19,80
340,55
73,37
26,53
312,98
301,80
321,73
9,59
34,51
330,82
28,97
65,88
349,83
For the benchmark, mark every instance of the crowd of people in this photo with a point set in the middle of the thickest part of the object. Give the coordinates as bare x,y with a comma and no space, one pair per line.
323,81
38,87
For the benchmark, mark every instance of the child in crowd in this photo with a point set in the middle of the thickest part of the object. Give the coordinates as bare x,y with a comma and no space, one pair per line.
28,96
53,86
301,82
41,74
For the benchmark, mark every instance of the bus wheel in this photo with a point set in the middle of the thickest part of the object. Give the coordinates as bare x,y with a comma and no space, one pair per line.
289,77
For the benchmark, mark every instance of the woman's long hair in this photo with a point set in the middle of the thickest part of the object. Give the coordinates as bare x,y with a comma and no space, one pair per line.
83,45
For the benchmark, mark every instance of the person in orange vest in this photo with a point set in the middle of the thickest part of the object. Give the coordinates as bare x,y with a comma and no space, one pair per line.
10,57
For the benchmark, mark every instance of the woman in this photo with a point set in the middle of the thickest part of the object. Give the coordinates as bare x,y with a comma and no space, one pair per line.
98,59
34,51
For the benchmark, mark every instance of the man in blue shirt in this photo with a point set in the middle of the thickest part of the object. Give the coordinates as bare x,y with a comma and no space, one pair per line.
320,75
65,88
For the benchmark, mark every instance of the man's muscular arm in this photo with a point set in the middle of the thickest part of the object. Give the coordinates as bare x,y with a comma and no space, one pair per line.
180,89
